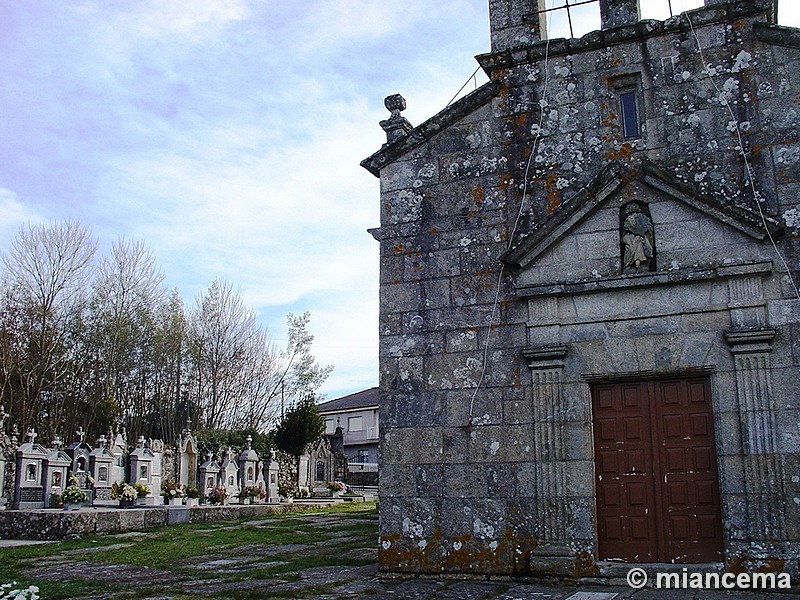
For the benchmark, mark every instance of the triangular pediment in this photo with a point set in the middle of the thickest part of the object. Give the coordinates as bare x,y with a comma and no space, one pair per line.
610,183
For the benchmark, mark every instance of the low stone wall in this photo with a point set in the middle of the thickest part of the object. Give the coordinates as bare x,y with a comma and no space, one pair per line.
59,524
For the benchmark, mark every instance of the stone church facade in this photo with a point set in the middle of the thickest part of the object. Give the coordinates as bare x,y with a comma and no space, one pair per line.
589,320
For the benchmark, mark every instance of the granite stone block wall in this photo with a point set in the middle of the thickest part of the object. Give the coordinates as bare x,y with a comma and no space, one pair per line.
505,300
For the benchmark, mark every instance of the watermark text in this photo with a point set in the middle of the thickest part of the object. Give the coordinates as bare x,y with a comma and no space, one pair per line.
685,580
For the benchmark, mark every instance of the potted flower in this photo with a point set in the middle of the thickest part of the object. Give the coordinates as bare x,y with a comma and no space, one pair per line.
336,488
73,498
142,491
126,495
248,494
172,492
217,495
254,493
192,496
286,492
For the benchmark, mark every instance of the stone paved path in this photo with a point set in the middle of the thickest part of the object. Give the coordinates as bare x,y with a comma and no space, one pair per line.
339,561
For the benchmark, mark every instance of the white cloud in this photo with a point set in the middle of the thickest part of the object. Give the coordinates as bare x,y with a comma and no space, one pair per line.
227,134
13,215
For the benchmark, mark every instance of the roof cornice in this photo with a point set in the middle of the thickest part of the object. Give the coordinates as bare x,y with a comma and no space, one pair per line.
425,131
686,21
612,178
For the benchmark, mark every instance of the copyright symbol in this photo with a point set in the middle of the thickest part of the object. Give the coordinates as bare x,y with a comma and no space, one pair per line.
637,578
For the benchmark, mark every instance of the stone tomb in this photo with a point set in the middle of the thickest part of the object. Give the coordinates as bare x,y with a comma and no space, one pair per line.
56,473
118,446
186,474
79,451
229,473
31,458
145,468
101,465
270,469
248,466
7,457
209,474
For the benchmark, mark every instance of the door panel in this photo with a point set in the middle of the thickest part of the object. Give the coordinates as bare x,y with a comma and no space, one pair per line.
696,534
625,522
658,492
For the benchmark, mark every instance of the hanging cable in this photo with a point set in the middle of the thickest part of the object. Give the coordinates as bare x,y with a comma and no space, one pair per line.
534,150
748,168
470,78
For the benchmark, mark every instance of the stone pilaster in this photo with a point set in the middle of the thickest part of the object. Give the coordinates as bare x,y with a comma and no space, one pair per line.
547,367
762,465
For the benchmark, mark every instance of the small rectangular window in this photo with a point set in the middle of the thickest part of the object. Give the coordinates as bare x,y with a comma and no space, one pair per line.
629,114
355,424
330,426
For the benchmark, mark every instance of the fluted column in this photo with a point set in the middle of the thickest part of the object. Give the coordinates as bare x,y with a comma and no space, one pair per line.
762,464
547,366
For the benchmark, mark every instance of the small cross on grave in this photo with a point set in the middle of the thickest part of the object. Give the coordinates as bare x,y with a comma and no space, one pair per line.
57,441
140,442
81,434
32,435
101,441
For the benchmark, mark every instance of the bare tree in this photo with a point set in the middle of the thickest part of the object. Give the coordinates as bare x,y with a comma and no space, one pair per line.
47,267
106,346
128,291
170,406
222,331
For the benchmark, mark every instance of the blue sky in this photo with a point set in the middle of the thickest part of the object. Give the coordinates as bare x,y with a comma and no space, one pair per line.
227,135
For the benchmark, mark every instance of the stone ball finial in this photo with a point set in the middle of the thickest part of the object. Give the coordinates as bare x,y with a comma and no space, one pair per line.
396,125
395,103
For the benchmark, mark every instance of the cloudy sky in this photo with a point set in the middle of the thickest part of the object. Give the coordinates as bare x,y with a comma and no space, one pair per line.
226,134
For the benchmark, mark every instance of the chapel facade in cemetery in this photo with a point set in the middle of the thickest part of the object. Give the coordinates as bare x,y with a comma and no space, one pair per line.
589,316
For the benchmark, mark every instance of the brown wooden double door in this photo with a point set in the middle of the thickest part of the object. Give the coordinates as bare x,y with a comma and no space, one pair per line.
656,472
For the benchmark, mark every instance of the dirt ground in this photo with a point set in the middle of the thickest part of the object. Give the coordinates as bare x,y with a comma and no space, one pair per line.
322,555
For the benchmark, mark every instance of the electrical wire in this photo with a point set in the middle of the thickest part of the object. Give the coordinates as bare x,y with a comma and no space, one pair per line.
534,149
748,168
470,78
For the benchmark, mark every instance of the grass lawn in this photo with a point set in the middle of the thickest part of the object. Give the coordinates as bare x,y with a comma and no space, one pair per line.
296,555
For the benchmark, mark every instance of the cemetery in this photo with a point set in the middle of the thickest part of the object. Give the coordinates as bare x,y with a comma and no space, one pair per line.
110,486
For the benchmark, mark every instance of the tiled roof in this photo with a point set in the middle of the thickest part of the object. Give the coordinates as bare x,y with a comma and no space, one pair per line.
364,399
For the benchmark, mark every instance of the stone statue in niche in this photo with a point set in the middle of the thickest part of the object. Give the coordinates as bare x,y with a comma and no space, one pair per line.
636,236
